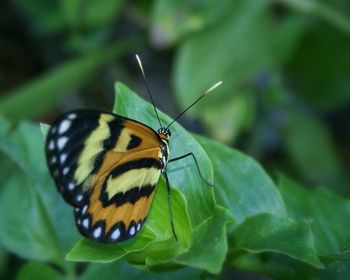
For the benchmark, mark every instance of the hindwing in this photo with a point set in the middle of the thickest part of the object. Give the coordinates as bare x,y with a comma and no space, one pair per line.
106,166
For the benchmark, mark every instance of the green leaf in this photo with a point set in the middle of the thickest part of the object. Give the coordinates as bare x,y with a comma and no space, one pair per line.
103,271
42,93
35,238
4,127
319,163
210,257
275,266
236,59
173,20
244,46
321,69
317,8
218,117
24,146
38,271
271,233
30,199
335,271
91,14
43,17
326,213
241,185
4,261
125,271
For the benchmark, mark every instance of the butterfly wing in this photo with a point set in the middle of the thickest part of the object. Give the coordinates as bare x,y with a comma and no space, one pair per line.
106,166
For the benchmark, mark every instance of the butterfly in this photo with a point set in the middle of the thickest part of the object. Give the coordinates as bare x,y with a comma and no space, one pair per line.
107,167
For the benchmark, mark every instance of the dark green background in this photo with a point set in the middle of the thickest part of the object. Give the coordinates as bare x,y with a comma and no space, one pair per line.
280,207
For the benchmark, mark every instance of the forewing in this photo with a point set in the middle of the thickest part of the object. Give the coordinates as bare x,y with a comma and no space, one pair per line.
78,142
107,167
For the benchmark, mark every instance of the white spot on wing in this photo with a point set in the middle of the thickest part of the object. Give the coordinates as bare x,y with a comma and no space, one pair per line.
63,157
86,223
53,130
97,232
78,222
84,209
61,142
64,126
53,160
51,145
65,170
138,227
71,186
132,230
80,197
72,116
116,234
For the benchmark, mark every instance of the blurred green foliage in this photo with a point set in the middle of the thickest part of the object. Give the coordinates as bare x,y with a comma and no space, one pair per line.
285,101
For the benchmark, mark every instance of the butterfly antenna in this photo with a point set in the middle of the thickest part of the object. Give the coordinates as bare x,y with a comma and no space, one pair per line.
199,98
147,87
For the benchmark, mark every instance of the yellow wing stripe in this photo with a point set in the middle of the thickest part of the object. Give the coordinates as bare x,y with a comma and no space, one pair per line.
131,179
93,146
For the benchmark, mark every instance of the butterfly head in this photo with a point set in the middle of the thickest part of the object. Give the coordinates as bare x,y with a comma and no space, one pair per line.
164,133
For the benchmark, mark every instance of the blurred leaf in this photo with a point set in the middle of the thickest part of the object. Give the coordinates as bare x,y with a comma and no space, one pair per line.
272,233
250,43
321,68
273,265
335,271
56,16
103,271
30,199
324,11
25,148
241,185
35,238
325,212
4,261
92,13
41,94
42,17
126,271
225,121
38,271
311,150
173,20
246,44
4,127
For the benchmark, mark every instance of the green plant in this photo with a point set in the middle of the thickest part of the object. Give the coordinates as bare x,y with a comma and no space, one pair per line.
284,102
244,221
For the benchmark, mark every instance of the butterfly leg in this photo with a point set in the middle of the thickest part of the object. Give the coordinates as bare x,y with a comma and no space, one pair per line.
195,161
169,203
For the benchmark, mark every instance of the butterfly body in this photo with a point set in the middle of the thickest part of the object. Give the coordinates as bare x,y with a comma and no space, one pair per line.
106,166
